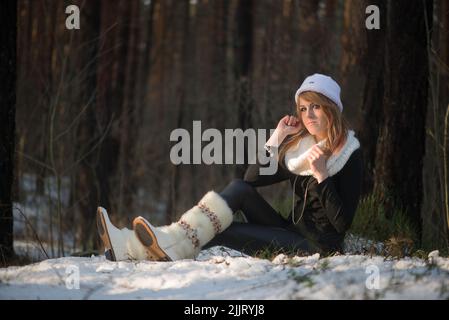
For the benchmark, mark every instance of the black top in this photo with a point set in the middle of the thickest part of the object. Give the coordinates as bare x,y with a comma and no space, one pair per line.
329,206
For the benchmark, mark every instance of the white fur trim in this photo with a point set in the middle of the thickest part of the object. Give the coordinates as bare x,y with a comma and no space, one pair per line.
220,207
173,240
296,158
199,221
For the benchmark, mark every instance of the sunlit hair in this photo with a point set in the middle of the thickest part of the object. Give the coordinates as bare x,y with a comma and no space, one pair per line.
337,129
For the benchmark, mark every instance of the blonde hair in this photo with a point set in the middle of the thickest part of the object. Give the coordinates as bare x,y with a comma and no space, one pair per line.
337,129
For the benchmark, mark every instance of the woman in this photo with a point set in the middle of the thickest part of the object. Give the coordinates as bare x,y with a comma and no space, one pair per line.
318,154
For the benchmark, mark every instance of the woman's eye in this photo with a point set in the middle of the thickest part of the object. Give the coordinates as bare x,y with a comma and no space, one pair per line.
316,106
302,109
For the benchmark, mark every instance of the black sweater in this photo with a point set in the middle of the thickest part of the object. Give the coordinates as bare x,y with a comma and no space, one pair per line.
329,206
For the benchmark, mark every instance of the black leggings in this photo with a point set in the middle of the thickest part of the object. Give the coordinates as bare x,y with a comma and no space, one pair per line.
266,228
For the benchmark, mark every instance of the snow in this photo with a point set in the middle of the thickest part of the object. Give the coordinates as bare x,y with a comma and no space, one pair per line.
217,273
221,273
32,215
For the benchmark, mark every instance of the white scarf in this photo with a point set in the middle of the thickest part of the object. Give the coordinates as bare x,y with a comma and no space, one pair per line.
296,157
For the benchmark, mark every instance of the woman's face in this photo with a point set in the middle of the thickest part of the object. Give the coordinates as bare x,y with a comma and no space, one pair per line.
313,118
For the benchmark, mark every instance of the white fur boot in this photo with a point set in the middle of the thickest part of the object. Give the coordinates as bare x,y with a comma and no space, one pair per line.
119,244
184,239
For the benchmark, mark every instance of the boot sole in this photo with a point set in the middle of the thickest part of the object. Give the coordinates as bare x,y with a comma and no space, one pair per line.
104,236
148,239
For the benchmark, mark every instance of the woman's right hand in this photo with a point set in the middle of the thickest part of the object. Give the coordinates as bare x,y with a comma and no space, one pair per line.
289,125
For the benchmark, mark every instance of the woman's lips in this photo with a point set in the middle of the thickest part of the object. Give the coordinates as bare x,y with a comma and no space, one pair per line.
311,122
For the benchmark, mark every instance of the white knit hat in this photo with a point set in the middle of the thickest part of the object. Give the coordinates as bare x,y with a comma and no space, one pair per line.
321,84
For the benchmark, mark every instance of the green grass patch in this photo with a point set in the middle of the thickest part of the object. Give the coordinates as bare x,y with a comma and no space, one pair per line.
272,251
371,221
394,229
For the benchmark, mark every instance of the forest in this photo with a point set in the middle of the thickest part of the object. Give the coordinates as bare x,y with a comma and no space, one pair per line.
87,112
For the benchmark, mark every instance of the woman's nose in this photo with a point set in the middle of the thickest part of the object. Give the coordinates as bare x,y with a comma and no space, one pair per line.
310,113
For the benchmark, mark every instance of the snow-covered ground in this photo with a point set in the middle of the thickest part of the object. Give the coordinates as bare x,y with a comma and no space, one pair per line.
220,273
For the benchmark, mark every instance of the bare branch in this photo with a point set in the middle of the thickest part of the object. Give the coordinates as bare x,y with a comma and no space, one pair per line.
92,149
32,229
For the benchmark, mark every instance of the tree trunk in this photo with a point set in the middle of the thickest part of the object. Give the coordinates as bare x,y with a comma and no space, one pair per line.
372,64
242,67
400,149
435,177
86,186
110,78
8,31
311,34
444,101
180,58
128,129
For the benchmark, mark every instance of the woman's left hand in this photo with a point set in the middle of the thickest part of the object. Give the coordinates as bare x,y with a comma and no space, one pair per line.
317,160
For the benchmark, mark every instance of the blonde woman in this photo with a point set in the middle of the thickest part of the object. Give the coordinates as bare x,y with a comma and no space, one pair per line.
316,151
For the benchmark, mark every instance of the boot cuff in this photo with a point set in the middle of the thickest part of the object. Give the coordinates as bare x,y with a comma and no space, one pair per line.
219,206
